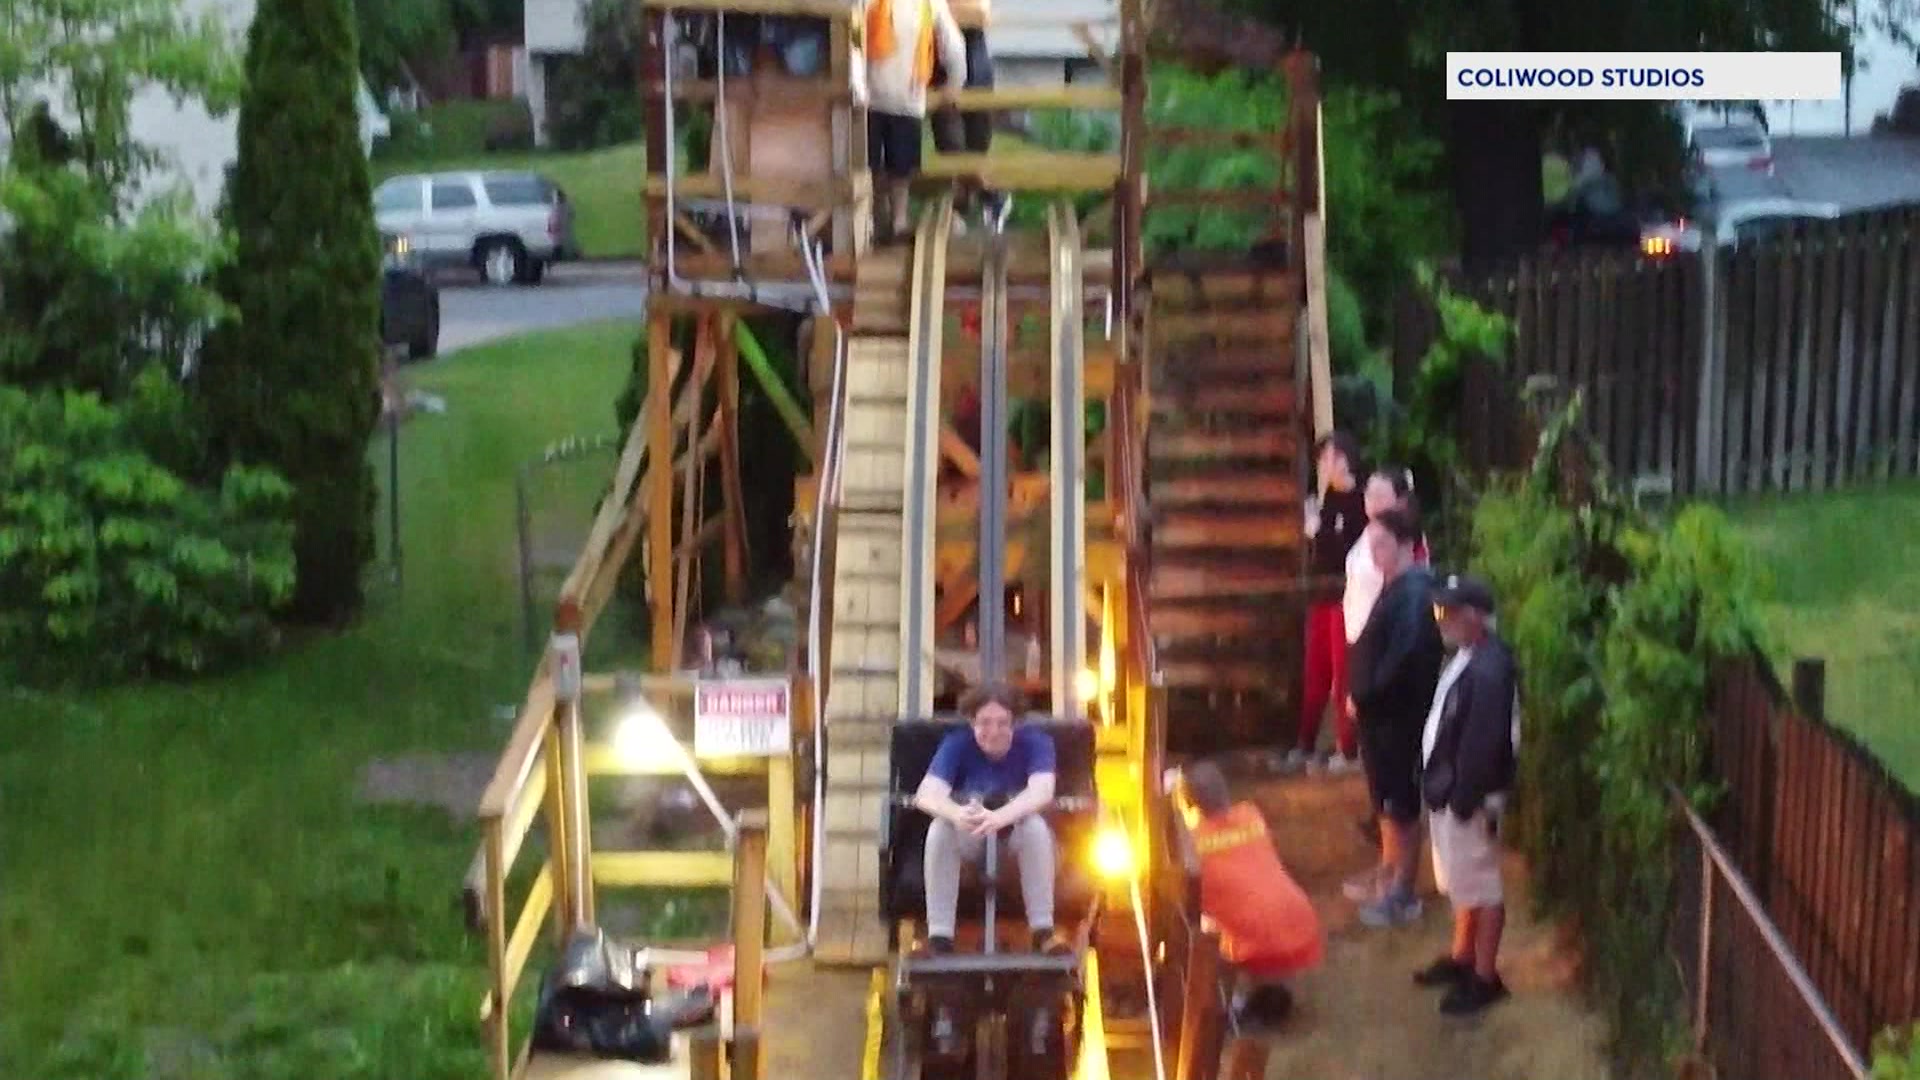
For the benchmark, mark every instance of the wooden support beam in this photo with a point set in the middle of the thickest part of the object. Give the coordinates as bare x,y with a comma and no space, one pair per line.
660,494
749,930
733,495
1026,172
692,491
807,195
803,9
1103,98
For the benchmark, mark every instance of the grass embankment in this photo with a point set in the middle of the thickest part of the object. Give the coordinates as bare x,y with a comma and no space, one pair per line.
1844,580
197,891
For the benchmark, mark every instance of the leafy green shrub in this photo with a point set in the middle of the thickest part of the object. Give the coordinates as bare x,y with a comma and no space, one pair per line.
1617,620
1896,1054
111,565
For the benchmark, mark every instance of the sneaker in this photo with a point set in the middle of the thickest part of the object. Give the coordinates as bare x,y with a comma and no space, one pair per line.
1391,909
939,946
1364,888
1295,761
1339,764
1445,971
1473,994
1050,941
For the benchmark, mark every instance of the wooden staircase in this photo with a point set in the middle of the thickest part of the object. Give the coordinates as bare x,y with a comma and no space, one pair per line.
1226,466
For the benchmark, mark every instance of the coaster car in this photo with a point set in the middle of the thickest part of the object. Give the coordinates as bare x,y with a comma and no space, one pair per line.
985,1011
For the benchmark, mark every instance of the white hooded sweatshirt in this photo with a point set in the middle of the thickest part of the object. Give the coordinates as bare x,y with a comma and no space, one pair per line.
890,85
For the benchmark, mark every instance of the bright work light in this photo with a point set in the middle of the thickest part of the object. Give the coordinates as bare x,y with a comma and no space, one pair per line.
642,740
1113,853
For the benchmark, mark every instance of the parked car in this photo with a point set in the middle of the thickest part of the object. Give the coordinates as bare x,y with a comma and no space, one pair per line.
1743,145
409,302
1733,224
507,226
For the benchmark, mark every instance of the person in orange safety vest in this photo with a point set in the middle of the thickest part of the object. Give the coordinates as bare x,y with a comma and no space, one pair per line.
1269,932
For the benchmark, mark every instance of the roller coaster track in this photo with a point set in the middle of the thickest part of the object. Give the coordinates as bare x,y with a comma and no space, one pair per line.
882,618
1068,489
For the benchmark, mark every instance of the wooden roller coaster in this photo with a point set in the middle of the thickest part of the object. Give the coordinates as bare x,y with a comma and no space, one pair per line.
1153,566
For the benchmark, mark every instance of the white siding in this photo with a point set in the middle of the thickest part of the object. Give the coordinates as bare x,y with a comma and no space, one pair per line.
1038,29
555,26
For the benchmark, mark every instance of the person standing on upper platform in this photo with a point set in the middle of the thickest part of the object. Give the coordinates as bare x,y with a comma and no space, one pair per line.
904,39
957,132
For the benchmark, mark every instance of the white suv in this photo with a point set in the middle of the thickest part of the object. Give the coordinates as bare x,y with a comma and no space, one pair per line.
509,226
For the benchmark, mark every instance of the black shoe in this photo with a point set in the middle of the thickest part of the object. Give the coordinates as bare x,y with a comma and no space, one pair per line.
1049,941
1269,1004
940,946
1471,995
1445,971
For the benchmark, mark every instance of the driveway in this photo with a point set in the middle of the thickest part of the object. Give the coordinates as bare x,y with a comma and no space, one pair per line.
575,293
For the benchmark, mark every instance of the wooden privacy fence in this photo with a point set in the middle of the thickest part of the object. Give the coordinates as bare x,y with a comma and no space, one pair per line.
1830,842
1786,365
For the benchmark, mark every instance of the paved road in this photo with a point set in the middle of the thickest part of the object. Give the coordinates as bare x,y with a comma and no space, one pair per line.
570,295
1855,174
1858,174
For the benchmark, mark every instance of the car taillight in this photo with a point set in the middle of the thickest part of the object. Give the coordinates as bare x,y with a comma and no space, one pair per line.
553,223
1761,164
1656,247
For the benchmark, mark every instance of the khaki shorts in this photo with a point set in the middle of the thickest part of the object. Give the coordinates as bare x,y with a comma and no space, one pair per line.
1466,860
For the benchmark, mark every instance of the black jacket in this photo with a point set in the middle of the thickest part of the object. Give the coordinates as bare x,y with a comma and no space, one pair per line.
1394,665
1473,749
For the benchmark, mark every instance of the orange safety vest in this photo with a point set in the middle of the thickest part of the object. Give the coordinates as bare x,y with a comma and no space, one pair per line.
881,40
1263,914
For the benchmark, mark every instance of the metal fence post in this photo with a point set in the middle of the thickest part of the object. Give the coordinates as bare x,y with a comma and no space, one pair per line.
1703,992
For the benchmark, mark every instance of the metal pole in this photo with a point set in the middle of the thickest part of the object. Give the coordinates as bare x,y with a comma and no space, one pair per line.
993,894
393,489
993,463
524,525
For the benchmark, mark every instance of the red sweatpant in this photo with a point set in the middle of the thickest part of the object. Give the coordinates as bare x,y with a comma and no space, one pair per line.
1326,678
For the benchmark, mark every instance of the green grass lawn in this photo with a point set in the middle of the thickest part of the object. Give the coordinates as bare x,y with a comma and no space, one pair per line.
195,890
604,186
1843,582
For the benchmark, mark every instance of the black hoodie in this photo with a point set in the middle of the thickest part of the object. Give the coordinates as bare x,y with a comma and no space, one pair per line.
1394,666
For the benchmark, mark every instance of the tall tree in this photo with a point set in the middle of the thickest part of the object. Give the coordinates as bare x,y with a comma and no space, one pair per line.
295,383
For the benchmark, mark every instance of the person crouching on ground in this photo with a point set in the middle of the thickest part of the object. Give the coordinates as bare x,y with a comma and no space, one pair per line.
994,759
1394,667
1468,752
902,40
1336,519
1269,932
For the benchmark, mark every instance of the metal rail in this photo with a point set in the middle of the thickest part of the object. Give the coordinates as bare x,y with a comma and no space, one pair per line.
1715,858
926,329
993,461
1068,489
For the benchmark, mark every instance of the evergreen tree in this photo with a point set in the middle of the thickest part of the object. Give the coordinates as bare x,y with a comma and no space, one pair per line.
294,383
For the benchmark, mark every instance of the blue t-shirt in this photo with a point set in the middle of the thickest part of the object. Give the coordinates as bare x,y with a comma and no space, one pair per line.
970,772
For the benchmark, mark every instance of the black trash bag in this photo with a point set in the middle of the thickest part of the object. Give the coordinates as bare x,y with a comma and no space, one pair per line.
598,1000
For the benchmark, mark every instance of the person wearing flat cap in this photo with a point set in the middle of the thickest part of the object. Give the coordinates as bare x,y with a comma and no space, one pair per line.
1468,756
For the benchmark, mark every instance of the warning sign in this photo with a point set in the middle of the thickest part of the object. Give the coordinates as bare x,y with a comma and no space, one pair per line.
742,718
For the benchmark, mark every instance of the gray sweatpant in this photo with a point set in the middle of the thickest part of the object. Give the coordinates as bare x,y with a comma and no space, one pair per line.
949,848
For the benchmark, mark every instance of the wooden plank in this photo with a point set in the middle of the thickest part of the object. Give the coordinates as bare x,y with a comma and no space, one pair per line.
1037,171
1760,370
1887,346
1232,488
1272,442
1175,580
1269,325
1189,528
1273,399
1320,362
1844,373
806,9
1009,98
1785,365
1907,414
